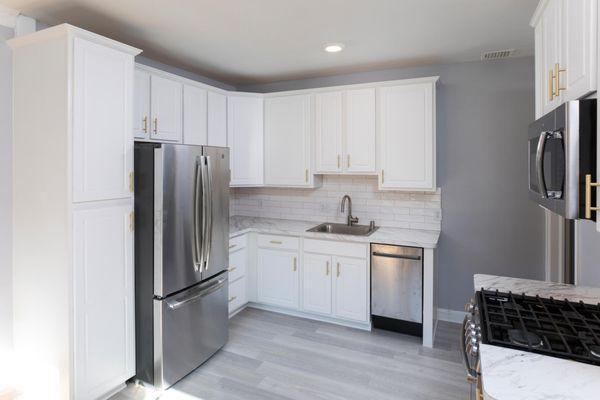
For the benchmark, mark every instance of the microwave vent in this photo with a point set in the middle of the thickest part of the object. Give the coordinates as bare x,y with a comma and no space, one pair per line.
497,54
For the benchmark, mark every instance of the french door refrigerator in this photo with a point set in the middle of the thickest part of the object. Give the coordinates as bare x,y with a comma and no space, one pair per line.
181,258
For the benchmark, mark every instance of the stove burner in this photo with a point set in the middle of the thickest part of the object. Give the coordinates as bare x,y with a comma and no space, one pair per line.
595,351
524,338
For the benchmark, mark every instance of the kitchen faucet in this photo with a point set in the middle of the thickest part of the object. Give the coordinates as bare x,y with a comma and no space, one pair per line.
351,219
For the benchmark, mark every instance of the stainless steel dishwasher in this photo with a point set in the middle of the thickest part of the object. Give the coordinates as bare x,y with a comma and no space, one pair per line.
397,288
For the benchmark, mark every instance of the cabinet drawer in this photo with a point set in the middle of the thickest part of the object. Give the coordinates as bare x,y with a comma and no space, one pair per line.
236,243
237,264
278,242
237,294
357,250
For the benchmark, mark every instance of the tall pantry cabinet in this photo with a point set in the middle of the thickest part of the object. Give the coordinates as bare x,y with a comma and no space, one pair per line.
73,209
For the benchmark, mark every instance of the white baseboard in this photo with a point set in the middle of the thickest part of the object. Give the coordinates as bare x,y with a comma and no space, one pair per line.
450,315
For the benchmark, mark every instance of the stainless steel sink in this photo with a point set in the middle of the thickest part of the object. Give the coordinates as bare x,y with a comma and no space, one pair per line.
344,229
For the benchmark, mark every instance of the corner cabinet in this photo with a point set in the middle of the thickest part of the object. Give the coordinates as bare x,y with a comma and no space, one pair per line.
74,311
288,141
406,133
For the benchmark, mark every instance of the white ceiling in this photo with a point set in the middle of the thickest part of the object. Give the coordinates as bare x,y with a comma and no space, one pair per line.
253,41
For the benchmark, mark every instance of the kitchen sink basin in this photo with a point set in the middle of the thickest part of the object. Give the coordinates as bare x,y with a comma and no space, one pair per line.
344,229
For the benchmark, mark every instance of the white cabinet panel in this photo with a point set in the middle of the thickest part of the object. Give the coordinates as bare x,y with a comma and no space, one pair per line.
277,277
141,104
104,352
194,115
316,283
288,129
237,264
578,48
245,140
217,119
360,131
237,294
350,288
102,129
166,97
550,52
407,137
328,132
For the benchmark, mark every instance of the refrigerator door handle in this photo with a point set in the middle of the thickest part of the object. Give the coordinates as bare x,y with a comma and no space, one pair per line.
205,212
209,216
175,304
198,216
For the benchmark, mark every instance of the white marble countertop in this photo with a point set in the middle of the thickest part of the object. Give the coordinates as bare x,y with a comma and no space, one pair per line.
239,225
512,374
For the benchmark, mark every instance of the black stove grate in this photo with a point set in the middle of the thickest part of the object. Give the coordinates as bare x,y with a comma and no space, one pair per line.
558,328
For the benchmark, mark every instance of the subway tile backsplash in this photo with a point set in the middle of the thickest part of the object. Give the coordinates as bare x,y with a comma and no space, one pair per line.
416,210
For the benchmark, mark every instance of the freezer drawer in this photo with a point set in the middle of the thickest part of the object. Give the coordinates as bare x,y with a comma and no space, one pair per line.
190,326
397,285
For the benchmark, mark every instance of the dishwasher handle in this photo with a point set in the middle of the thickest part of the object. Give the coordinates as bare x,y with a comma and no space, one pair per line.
400,256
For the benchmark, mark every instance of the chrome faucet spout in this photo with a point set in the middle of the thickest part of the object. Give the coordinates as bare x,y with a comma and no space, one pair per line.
350,219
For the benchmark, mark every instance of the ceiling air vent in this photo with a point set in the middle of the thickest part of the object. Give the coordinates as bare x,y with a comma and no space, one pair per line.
497,55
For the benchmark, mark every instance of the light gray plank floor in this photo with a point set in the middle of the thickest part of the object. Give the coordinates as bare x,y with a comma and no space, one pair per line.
275,356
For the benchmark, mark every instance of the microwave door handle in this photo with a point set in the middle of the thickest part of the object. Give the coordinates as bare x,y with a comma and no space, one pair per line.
198,216
539,164
209,213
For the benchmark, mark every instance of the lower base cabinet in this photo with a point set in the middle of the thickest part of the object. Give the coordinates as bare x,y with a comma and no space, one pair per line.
316,283
277,277
350,288
237,294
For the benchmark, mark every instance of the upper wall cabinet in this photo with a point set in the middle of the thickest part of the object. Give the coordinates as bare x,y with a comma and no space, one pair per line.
565,51
141,104
245,139
217,119
345,131
194,115
288,136
407,135
166,109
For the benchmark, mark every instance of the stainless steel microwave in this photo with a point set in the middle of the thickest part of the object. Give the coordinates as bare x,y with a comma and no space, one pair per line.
562,150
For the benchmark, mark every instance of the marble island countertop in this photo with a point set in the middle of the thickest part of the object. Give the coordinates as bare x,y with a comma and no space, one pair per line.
512,374
239,225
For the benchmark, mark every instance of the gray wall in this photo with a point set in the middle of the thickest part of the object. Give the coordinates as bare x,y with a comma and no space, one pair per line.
488,223
5,190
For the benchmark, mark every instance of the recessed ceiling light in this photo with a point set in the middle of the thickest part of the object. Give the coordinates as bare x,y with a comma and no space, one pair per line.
333,47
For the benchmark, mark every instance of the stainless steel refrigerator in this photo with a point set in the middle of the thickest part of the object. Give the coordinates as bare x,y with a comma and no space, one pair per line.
181,258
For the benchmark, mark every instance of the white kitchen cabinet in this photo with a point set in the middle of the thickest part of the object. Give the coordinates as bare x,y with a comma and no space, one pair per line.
166,109
141,104
217,119
288,138
102,139
407,136
328,132
73,295
104,345
245,139
316,283
360,129
237,295
195,107
277,277
350,288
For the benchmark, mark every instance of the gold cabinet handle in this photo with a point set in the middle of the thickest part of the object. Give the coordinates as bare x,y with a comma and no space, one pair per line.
557,71
382,177
155,125
231,246
131,182
131,221
338,270
295,264
551,85
275,242
232,298
327,268
348,160
588,196
145,122
306,175
339,160
231,269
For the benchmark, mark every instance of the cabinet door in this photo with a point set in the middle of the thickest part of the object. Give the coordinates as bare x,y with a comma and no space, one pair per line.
277,278
166,97
217,119
328,132
245,139
578,48
141,104
551,37
360,131
316,282
350,288
407,137
104,341
194,115
287,141
102,129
